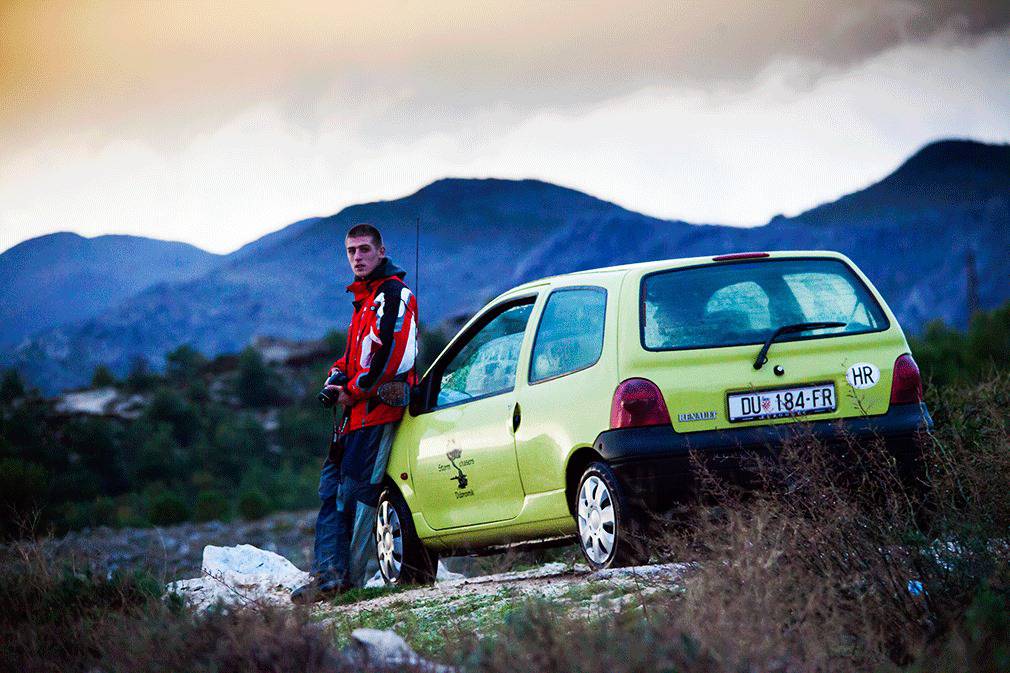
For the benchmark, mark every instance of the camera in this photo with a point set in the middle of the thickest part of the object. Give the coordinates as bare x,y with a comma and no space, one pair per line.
331,389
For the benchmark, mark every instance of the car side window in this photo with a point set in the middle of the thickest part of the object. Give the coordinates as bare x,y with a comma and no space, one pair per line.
487,364
570,334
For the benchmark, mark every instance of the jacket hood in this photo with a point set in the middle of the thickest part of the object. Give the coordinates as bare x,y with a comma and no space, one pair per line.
386,269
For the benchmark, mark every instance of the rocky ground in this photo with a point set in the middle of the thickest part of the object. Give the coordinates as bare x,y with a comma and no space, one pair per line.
427,618
175,552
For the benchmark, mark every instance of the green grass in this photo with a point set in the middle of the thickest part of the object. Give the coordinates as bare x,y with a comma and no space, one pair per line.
428,625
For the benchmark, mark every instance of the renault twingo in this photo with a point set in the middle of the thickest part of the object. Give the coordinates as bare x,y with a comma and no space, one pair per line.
568,405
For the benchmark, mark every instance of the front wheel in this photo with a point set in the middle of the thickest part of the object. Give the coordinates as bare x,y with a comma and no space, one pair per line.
402,558
608,534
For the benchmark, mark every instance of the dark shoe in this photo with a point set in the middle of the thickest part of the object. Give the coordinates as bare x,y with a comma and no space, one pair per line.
319,589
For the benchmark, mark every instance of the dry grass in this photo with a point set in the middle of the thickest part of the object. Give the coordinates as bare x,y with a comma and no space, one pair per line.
820,568
810,572
56,619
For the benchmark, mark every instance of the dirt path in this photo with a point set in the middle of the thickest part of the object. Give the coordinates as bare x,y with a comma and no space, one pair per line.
422,615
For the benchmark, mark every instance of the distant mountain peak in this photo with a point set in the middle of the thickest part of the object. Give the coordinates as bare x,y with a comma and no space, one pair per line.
940,175
943,154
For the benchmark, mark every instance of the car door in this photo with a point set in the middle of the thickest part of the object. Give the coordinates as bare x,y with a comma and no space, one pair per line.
564,399
465,470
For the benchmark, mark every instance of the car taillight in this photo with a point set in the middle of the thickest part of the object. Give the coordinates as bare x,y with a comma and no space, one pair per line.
638,402
906,384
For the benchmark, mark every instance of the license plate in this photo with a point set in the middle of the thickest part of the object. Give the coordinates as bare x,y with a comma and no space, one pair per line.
783,402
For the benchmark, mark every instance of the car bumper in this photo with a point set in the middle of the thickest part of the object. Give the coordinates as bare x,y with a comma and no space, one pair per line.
658,465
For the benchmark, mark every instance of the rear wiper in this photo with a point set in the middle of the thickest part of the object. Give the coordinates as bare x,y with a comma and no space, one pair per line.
762,357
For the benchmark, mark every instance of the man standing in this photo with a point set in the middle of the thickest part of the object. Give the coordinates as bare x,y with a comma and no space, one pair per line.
381,347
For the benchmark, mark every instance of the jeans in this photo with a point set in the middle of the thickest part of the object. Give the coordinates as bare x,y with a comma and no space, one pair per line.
348,495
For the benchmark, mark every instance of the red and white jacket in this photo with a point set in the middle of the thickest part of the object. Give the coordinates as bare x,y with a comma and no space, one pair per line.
381,345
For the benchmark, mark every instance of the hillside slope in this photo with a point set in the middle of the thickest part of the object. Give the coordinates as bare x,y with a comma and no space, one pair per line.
910,232
60,278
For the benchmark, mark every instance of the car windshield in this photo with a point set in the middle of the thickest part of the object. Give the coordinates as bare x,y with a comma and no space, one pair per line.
742,303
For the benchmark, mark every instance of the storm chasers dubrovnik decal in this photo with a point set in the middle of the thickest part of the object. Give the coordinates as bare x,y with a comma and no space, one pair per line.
457,463
460,476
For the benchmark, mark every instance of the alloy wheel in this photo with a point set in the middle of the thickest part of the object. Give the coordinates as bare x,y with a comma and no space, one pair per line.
597,521
388,541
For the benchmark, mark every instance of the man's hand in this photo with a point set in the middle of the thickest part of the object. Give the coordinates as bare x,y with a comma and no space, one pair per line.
343,399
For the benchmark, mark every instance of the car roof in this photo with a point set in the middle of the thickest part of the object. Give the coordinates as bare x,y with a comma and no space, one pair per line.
589,275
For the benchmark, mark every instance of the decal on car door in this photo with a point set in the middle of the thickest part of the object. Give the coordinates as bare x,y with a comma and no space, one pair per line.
457,463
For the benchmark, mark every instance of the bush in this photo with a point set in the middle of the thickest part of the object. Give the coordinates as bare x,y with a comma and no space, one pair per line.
211,506
818,570
156,454
184,365
103,377
253,505
169,406
58,619
140,378
947,356
167,509
11,386
23,487
257,384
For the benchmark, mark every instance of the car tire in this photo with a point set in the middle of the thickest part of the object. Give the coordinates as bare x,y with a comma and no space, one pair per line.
609,533
402,558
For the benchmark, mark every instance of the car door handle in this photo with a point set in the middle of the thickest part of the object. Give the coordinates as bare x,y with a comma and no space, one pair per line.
517,416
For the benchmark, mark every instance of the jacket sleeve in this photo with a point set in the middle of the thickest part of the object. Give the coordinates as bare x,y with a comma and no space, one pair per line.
392,340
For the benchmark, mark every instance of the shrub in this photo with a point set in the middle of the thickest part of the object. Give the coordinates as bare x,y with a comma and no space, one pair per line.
184,364
253,505
818,570
22,492
166,509
169,406
103,377
61,619
211,506
11,386
257,384
156,454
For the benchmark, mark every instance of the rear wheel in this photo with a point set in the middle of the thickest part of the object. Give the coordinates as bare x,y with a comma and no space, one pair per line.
402,558
609,535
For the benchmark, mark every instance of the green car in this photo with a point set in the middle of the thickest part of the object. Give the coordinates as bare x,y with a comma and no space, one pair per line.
567,404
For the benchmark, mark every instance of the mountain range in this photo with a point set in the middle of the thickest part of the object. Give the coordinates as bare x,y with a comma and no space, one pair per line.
70,304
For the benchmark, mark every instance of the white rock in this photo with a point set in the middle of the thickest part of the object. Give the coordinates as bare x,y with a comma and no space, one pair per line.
86,401
388,649
384,646
443,574
240,575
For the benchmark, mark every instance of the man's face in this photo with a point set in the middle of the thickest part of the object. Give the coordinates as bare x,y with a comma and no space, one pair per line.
362,255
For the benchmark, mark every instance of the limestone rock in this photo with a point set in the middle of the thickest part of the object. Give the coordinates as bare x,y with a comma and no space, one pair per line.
241,575
387,649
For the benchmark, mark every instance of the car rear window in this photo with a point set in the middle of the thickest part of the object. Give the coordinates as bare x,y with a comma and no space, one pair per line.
742,303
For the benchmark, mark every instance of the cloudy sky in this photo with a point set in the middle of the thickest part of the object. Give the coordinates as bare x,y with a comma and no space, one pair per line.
216,124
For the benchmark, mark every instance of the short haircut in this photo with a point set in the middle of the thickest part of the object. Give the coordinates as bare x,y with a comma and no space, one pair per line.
365,229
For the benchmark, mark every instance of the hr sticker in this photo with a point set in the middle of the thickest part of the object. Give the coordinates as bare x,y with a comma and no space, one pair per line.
862,375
